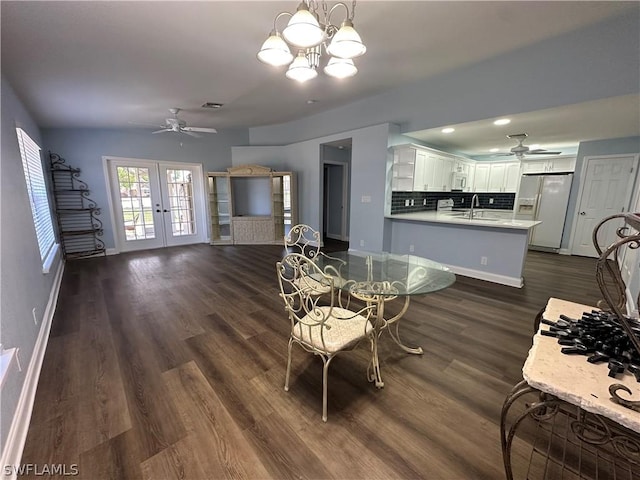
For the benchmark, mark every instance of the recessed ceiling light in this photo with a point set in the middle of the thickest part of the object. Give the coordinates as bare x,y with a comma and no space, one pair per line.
534,146
494,150
448,130
502,121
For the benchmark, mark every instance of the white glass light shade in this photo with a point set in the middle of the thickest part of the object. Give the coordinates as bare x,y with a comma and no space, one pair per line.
300,70
275,51
303,30
346,43
340,68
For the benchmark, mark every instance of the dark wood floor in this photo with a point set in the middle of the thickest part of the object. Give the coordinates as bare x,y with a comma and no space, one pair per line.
170,364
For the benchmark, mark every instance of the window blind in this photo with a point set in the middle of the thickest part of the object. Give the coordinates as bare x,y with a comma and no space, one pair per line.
38,198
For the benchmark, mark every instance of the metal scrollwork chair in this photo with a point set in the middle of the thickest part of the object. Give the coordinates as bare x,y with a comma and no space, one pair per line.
304,240
324,330
612,284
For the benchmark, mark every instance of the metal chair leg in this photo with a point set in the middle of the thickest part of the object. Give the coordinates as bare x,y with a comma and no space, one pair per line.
325,377
286,379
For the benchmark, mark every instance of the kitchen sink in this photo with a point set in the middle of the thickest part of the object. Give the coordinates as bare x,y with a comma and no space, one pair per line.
477,216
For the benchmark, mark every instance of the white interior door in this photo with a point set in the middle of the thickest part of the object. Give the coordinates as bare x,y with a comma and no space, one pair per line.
156,204
606,190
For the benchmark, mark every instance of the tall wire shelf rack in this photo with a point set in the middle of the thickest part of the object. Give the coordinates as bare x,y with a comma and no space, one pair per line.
79,227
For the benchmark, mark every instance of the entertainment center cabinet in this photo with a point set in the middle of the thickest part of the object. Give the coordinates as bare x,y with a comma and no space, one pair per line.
251,204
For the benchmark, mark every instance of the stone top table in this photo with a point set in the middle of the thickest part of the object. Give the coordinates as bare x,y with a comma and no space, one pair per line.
571,378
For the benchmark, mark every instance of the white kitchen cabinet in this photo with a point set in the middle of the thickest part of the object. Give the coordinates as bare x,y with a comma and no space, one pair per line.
481,177
503,177
562,164
424,172
403,169
549,165
512,177
441,179
461,166
496,177
422,169
471,176
534,166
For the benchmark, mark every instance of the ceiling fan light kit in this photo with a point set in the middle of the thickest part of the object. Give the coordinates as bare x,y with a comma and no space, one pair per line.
307,34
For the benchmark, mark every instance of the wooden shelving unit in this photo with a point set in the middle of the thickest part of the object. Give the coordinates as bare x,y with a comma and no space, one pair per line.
79,227
264,210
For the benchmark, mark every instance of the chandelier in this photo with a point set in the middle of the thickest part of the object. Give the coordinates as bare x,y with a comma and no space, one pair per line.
308,33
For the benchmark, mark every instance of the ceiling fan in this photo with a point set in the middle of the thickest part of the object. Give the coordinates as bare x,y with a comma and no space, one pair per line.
175,124
521,150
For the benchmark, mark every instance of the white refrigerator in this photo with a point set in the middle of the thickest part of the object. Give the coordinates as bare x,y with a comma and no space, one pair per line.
544,198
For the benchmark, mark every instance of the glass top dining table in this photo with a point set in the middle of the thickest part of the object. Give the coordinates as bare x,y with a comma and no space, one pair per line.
386,274
379,277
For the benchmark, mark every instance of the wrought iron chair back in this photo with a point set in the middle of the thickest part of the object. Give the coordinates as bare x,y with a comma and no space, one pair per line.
326,327
304,240
613,287
608,273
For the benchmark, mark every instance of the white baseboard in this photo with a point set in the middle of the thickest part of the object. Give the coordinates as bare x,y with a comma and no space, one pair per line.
517,282
564,251
112,251
12,452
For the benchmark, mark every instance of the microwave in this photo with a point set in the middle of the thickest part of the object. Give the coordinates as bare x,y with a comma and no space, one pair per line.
458,181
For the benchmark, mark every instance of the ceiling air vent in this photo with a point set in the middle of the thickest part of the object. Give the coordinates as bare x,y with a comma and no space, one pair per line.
212,105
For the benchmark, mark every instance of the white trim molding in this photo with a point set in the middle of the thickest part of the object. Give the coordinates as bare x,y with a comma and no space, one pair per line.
517,282
17,436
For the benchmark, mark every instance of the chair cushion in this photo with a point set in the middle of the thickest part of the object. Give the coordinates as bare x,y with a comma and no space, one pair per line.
341,329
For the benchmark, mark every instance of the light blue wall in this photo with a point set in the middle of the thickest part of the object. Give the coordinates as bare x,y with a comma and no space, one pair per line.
595,62
84,149
463,246
368,164
613,146
23,286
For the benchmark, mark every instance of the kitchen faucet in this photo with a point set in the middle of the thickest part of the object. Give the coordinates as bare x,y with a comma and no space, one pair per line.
475,202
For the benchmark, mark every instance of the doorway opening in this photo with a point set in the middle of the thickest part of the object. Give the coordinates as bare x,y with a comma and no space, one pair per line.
335,161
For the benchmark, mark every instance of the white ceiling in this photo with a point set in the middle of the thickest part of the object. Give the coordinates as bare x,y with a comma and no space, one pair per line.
107,64
554,129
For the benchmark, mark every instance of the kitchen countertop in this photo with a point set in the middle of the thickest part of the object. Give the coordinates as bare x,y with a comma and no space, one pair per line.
456,218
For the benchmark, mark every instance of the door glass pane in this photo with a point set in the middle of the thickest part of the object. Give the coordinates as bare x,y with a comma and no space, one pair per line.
135,198
180,193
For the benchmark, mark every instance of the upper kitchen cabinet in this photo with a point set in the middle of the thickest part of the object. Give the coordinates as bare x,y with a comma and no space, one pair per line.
512,177
481,177
549,165
497,177
403,170
421,170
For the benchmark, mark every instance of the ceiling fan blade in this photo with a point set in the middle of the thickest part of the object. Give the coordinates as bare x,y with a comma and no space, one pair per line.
163,130
186,132
200,129
542,152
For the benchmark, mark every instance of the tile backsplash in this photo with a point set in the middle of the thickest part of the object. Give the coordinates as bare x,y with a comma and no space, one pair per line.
425,201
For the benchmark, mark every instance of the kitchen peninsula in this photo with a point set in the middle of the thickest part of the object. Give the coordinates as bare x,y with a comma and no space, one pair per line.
483,247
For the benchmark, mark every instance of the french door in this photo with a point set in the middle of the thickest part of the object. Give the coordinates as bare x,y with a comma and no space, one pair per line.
156,204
